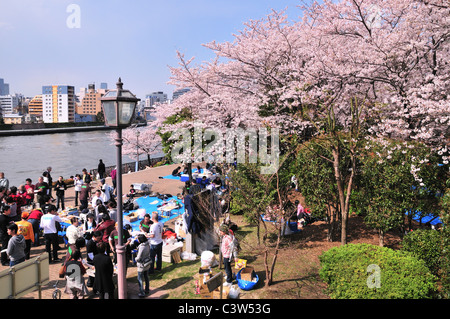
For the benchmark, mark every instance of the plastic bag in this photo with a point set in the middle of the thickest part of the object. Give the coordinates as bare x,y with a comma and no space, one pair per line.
188,256
234,292
208,258
244,284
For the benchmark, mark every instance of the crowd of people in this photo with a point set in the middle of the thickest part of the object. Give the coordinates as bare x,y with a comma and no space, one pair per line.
94,227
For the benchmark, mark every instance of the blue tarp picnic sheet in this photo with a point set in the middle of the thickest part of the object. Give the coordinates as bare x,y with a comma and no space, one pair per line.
150,204
432,219
194,170
171,177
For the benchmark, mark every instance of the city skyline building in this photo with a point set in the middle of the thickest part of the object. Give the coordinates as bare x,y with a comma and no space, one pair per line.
4,87
8,103
35,106
155,97
177,93
58,104
91,102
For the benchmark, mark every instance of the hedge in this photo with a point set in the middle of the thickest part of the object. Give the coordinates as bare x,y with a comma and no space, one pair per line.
346,270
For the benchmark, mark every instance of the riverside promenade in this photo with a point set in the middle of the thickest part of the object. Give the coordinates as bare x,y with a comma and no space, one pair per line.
148,176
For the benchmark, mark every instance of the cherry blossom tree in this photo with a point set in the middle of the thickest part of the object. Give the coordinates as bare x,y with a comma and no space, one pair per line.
344,69
140,141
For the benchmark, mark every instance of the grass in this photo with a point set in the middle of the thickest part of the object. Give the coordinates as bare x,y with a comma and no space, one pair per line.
295,276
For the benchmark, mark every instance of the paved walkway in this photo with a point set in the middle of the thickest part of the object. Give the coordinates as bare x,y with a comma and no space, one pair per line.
149,176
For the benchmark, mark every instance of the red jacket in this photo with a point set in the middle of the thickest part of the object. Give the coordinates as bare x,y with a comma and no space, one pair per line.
36,214
106,227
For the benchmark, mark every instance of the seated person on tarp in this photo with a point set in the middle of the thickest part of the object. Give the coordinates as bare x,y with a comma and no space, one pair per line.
144,225
187,186
304,214
176,171
204,182
217,182
195,188
132,192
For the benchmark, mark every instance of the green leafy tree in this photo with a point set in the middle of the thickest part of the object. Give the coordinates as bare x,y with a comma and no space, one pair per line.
395,178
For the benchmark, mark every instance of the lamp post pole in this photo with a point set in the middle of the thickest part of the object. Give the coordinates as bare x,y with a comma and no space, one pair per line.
120,249
137,150
118,109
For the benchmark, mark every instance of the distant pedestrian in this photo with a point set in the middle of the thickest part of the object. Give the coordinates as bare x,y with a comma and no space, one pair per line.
13,205
86,176
91,252
5,220
101,169
106,226
106,189
143,265
74,271
156,243
77,182
26,230
41,190
35,219
16,246
4,182
60,189
50,181
29,187
85,194
48,223
104,272
113,177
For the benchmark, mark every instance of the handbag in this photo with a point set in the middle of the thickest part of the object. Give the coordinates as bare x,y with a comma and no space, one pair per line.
147,262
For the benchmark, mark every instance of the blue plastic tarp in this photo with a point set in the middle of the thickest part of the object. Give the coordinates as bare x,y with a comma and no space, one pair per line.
150,204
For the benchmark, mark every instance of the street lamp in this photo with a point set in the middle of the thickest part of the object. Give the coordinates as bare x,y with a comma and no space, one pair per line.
118,108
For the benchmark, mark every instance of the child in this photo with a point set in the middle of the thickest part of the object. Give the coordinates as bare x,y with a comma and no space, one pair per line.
227,252
132,192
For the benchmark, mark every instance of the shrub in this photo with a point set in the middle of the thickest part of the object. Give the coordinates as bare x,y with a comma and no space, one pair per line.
425,244
402,276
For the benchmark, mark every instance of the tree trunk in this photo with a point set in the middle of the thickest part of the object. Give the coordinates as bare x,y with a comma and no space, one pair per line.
381,244
340,187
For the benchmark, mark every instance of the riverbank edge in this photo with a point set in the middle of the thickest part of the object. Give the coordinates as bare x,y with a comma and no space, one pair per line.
54,130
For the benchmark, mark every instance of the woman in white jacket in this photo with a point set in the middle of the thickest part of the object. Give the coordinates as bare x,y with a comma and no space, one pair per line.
143,261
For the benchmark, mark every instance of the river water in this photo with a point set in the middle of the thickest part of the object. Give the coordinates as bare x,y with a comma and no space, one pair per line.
28,156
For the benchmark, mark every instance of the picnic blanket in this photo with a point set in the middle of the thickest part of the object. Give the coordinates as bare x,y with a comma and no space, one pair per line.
152,204
424,218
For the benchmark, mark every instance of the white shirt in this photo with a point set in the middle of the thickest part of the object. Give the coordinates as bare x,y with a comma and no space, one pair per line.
72,233
78,183
106,192
48,223
94,200
156,229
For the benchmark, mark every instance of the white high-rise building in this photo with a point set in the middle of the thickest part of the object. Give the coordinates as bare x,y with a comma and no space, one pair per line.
155,97
58,104
8,103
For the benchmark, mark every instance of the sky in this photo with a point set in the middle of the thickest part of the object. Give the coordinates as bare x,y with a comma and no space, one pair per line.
80,42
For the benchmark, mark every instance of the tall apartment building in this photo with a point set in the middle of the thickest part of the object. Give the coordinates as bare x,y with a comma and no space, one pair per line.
35,106
8,103
91,103
58,104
